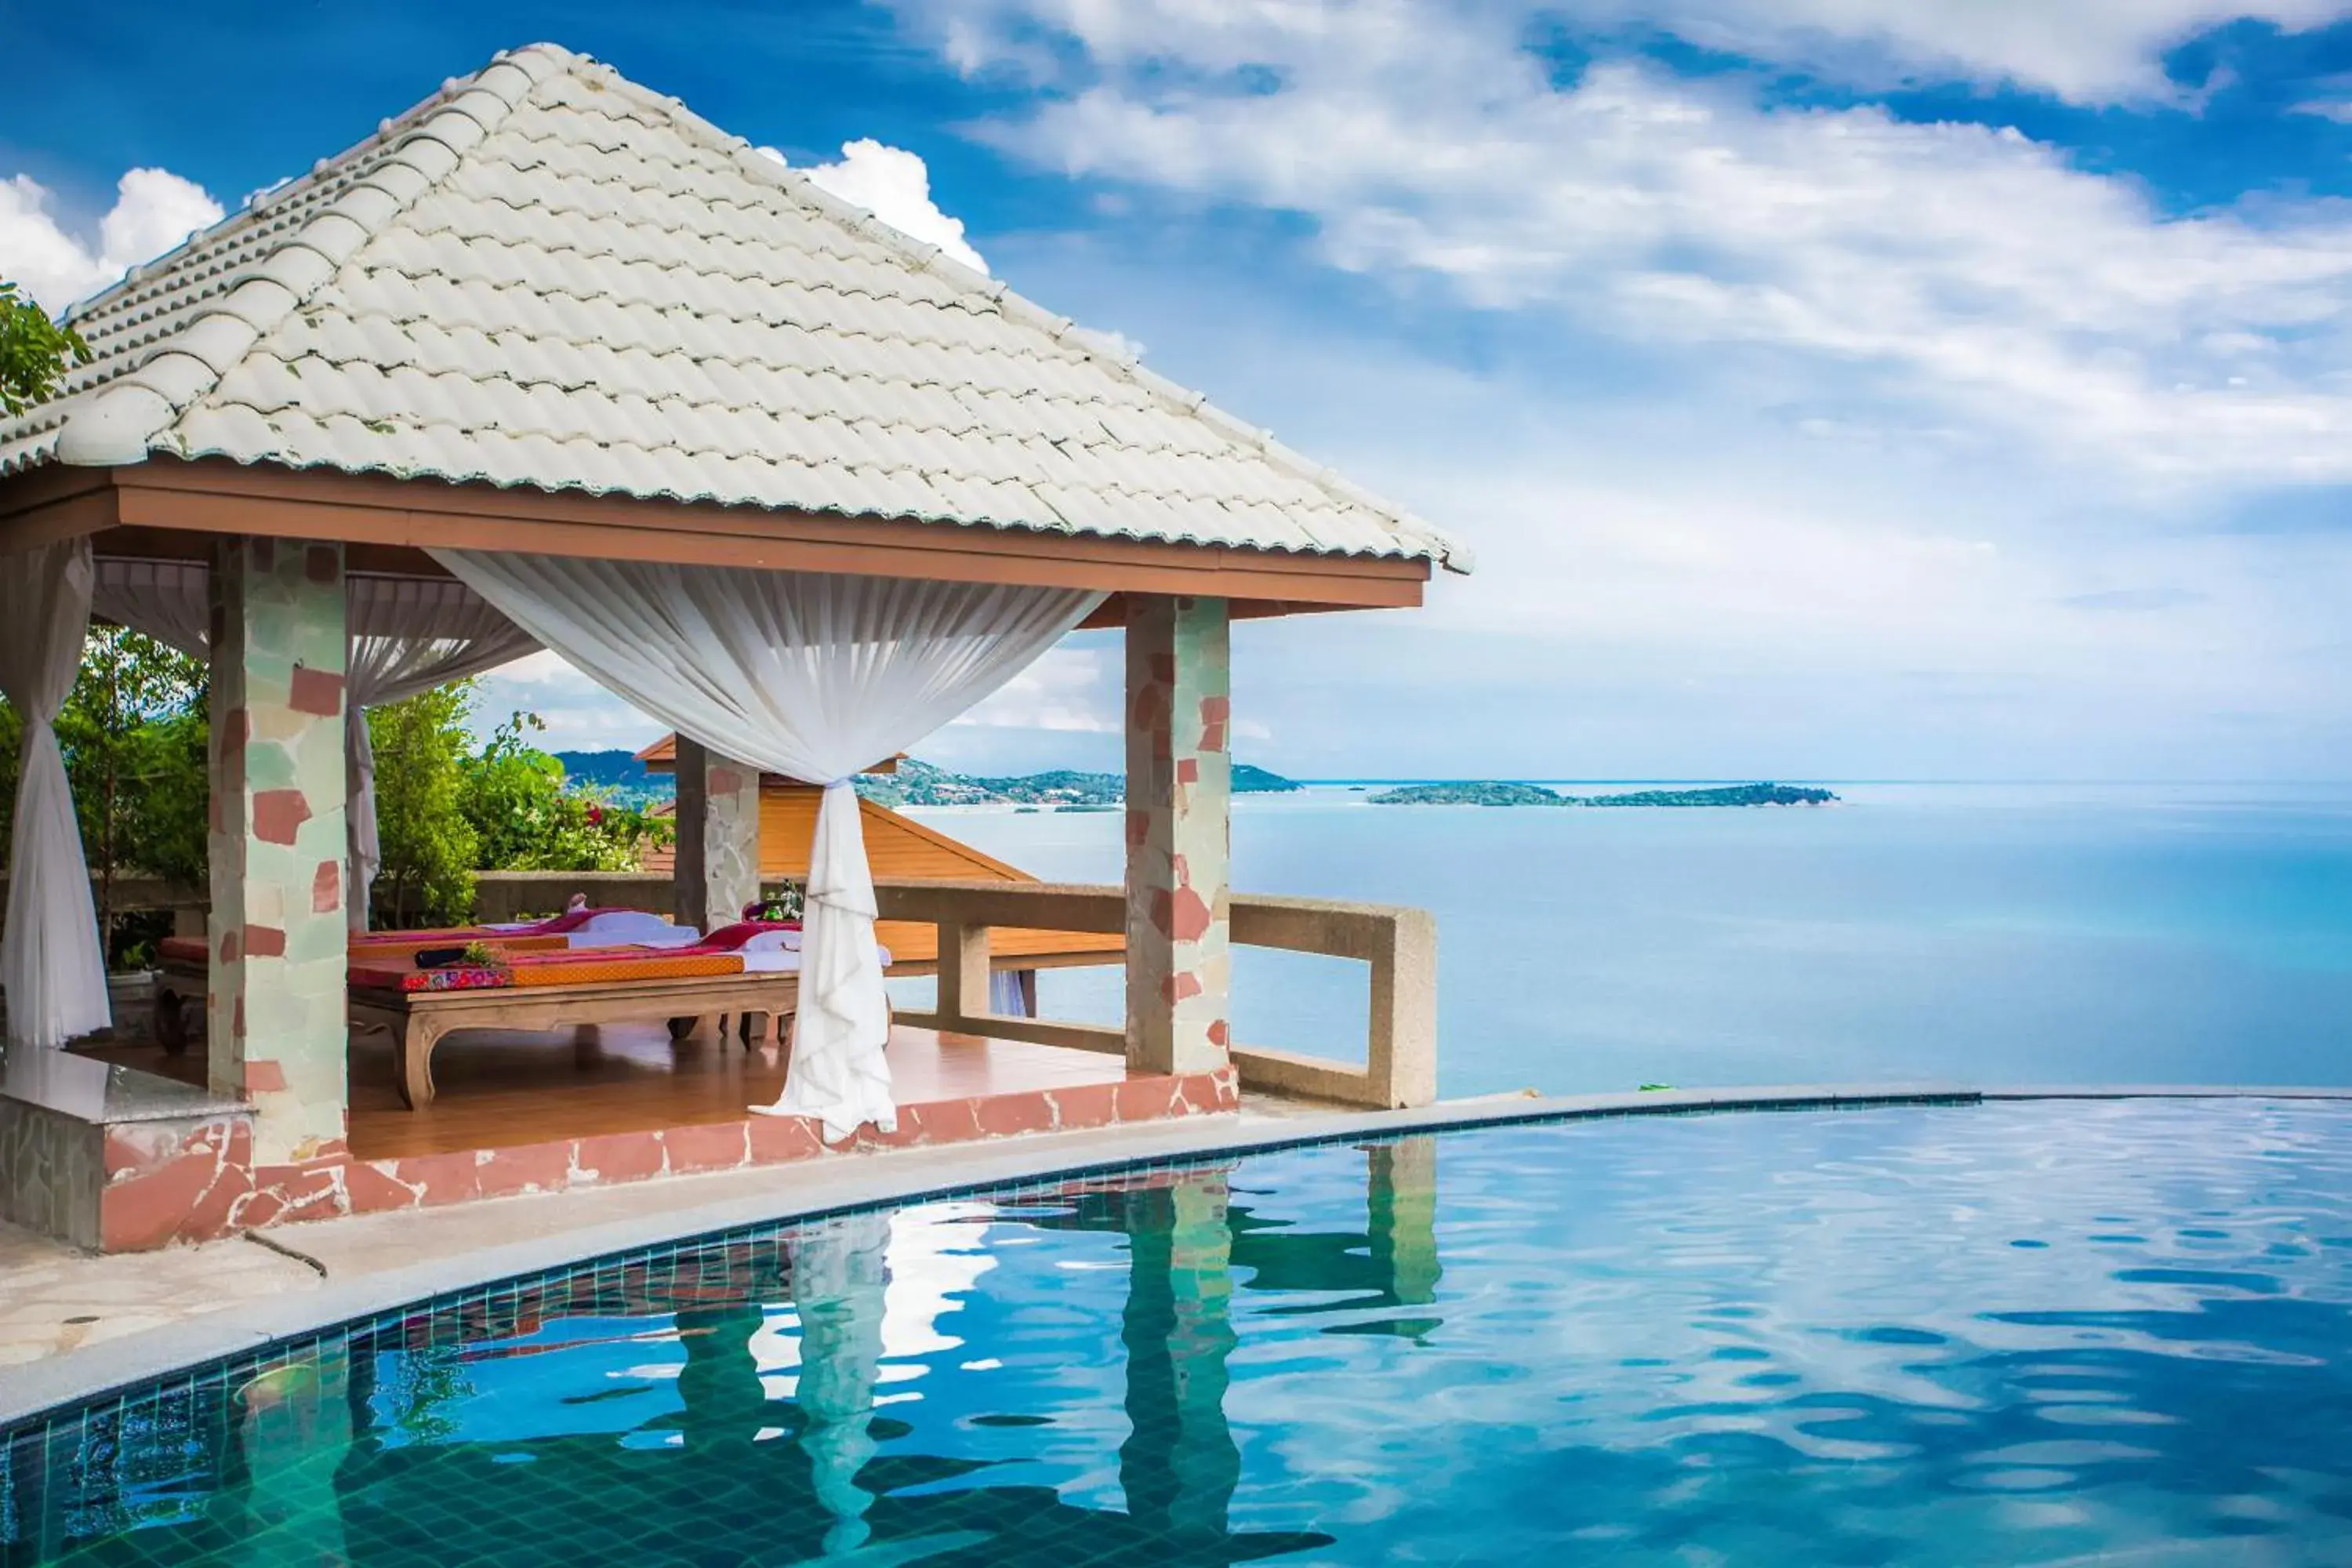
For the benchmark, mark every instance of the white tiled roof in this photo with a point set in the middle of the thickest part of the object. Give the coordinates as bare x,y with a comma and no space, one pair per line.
548,276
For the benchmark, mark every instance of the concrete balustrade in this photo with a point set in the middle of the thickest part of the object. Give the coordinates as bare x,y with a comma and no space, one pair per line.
1399,944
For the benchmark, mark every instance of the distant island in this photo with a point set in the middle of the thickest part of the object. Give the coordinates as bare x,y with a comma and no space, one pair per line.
618,778
1490,793
921,784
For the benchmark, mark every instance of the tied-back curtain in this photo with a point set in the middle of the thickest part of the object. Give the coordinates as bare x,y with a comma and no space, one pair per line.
51,963
408,635
811,676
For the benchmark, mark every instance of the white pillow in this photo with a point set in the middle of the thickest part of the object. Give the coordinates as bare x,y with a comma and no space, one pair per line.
772,941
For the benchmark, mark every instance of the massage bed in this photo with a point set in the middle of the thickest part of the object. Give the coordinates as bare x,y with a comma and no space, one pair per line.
184,961
545,991
750,971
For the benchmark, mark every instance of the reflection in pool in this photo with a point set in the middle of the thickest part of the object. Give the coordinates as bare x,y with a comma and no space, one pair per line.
2013,1335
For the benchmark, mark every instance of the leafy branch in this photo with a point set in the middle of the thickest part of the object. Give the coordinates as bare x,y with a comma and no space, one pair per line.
35,351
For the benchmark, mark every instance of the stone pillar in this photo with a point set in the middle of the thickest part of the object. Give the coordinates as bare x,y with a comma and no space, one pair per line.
963,972
274,1002
1179,799
717,836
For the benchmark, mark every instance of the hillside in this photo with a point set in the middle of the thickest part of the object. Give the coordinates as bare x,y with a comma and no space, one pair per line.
615,777
619,777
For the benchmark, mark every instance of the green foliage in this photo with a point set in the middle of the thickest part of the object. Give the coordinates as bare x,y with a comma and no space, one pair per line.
780,901
133,734
453,810
428,844
174,826
12,748
527,821
34,351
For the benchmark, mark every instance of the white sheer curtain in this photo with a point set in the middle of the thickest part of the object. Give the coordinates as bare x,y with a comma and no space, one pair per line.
408,635
171,600
811,676
51,963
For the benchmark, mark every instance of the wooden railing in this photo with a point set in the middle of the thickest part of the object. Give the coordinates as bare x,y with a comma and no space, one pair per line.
1400,944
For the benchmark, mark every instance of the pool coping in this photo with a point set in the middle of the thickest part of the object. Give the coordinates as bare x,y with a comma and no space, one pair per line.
55,1387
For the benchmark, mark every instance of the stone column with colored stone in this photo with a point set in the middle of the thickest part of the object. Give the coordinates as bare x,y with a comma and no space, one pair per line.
275,1005
1179,828
717,836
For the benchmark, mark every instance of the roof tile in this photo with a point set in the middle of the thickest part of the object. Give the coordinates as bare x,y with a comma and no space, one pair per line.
548,276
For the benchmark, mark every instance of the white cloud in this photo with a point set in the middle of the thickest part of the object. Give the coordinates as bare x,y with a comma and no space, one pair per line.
1070,689
894,186
1680,576
154,210
2088,51
580,714
2094,51
1952,268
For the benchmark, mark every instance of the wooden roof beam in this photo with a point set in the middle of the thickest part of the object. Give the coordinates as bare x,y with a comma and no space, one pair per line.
169,508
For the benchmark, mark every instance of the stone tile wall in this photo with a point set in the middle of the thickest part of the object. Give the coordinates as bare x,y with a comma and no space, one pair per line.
276,1007
730,836
52,1168
1179,794
717,863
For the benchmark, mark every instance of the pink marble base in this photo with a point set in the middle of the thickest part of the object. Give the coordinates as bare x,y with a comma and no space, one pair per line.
175,1181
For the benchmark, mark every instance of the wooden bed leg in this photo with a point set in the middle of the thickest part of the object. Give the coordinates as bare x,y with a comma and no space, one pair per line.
413,1063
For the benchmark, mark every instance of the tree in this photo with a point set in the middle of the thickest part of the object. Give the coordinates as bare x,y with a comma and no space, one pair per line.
34,351
133,734
525,820
12,751
429,847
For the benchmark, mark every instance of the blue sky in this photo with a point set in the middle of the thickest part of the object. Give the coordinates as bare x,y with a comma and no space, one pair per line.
1831,388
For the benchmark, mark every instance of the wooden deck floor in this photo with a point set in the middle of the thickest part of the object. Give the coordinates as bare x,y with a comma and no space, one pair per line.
501,1088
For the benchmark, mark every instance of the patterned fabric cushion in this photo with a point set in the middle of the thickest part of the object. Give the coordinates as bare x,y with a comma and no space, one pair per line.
597,966
458,978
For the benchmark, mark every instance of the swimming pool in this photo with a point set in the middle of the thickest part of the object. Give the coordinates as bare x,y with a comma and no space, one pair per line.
2012,1334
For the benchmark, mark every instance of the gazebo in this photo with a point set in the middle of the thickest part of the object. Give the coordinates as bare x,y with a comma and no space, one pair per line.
550,346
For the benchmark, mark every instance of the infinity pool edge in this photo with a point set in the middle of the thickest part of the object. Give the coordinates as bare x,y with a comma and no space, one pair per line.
51,1387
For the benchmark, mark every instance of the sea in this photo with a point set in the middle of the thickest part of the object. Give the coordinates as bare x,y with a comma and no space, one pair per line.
1989,934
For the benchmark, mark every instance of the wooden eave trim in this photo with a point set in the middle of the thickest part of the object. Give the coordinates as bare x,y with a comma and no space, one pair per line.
46,485
216,496
44,505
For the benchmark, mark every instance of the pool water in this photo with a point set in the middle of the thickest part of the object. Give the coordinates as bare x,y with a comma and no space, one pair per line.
2046,1334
